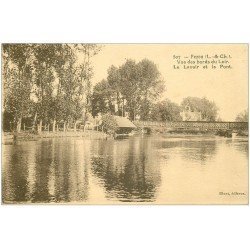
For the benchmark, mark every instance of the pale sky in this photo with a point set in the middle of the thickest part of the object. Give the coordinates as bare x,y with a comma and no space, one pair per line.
227,88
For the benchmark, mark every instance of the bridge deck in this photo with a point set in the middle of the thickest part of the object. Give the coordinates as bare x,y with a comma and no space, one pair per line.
202,125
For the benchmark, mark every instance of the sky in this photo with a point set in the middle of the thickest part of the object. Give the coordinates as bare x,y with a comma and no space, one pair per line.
228,88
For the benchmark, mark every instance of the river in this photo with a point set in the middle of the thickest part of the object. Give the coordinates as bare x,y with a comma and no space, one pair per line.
144,169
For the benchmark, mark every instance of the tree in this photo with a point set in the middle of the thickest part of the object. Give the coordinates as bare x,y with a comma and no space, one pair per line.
115,91
103,99
109,123
242,117
166,111
51,82
132,87
208,109
129,86
45,60
87,51
17,81
72,101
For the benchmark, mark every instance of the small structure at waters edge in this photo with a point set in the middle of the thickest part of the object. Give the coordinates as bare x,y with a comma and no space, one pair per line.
124,126
117,126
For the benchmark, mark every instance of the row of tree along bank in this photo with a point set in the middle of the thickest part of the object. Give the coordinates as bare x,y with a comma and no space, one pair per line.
48,87
46,83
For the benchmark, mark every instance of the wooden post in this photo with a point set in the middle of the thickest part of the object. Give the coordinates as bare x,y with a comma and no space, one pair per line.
64,126
75,126
54,126
34,122
122,107
41,126
19,124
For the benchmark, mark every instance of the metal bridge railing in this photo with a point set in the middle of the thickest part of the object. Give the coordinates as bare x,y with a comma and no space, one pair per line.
194,125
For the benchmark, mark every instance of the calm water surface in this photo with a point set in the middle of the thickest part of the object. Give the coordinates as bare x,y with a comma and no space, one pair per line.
139,169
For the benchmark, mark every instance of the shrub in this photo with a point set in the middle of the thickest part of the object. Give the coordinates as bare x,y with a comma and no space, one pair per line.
109,124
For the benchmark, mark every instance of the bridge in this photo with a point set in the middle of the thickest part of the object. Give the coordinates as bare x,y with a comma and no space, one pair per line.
193,125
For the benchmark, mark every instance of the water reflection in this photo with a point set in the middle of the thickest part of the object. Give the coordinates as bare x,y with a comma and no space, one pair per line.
15,183
128,172
139,169
240,146
46,171
198,150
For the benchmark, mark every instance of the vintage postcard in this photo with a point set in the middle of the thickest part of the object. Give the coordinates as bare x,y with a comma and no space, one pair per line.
124,124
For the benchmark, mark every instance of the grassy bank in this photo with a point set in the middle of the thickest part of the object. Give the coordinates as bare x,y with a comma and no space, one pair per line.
26,136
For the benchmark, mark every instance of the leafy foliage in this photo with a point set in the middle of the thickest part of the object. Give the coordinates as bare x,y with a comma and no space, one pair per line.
109,123
46,82
17,81
166,111
130,88
242,117
102,98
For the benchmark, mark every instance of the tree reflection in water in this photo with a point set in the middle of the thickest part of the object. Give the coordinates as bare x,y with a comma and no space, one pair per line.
240,145
199,151
138,169
46,171
127,169
195,149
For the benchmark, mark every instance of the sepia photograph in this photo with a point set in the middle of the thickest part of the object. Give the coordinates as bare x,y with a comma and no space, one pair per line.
124,124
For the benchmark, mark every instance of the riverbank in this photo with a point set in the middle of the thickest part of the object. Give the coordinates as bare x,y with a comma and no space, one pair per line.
28,136
90,134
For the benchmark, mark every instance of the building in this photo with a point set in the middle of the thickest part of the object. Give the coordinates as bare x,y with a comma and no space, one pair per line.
125,126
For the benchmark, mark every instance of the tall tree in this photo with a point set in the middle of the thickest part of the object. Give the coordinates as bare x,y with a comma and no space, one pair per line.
64,60
151,86
45,58
86,52
17,81
132,86
115,90
72,94
52,82
103,98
